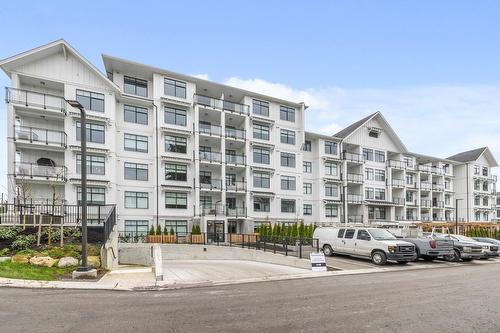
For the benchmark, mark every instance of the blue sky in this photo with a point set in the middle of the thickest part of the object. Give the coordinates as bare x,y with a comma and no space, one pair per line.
431,67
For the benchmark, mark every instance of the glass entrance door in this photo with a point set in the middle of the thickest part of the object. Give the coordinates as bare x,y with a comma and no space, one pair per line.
215,231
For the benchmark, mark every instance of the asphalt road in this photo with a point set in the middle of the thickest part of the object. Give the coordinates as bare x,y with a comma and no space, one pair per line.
462,298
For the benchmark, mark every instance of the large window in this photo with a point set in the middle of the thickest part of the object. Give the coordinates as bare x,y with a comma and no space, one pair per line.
288,160
175,88
369,174
368,154
307,167
331,169
287,113
331,210
379,156
95,132
330,148
287,137
136,171
261,155
307,145
261,204
175,144
260,108
261,179
331,190
376,213
287,206
288,183
175,116
379,175
133,142
308,209
261,132
176,172
136,200
90,100
135,114
179,227
136,228
95,164
134,86
308,188
95,195
176,200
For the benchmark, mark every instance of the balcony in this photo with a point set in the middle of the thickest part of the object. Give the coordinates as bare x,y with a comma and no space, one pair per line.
437,204
398,183
40,136
398,201
354,198
396,164
424,168
237,186
354,178
352,157
41,172
212,210
236,107
425,185
211,156
438,187
234,133
437,171
208,129
236,159
426,203
236,212
35,99
354,218
214,103
210,184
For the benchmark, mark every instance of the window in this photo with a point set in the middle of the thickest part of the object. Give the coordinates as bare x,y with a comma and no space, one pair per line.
369,175
476,170
134,86
136,171
409,196
94,133
288,183
369,193
90,100
288,160
177,172
287,137
376,213
287,113
363,235
485,171
307,145
136,200
331,210
379,156
373,134
261,204
261,132
307,167
95,195
175,116
368,154
374,193
261,155
379,175
408,161
176,200
331,169
308,209
287,206
175,88
409,179
331,190
340,233
477,185
330,148
379,194
478,216
136,228
349,233
95,164
308,187
485,201
137,143
260,108
175,144
262,180
205,201
485,186
135,114
179,227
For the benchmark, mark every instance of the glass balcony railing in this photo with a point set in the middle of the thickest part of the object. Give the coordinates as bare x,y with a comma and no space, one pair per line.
210,129
33,170
214,103
235,159
40,135
234,133
210,156
35,99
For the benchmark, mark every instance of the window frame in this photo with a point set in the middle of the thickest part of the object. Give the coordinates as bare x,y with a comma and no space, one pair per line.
288,160
92,96
178,142
179,116
136,196
177,196
91,132
135,83
287,136
136,168
135,138
90,164
176,85
135,111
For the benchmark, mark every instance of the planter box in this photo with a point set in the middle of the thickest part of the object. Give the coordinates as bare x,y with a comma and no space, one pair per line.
154,238
169,239
235,238
196,239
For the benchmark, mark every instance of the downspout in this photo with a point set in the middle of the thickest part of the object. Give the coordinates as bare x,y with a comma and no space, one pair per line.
467,187
344,185
157,168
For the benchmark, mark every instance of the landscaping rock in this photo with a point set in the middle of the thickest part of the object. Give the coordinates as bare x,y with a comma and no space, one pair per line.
94,261
42,261
20,259
67,262
2,259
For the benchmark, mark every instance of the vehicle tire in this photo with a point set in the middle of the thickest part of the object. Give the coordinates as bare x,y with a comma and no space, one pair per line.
454,257
327,250
379,258
402,262
428,258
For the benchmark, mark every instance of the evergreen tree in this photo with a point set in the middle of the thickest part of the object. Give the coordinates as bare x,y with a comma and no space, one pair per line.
171,231
158,230
152,231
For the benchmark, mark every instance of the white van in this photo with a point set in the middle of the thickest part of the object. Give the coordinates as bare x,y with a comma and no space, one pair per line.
377,244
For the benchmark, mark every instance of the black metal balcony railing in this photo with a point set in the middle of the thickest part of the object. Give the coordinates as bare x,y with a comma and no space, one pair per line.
214,209
209,129
236,212
354,198
353,157
210,184
425,203
210,156
354,178
236,159
40,135
33,170
398,183
396,164
398,201
438,204
234,133
35,99
237,186
219,104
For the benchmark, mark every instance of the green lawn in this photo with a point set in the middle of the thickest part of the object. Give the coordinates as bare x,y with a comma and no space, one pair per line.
12,270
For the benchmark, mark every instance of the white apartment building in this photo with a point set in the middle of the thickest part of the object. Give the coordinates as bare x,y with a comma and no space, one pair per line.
177,150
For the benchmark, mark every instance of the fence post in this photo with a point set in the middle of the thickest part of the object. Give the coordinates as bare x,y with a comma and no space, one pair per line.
61,237
300,248
242,241
286,246
274,245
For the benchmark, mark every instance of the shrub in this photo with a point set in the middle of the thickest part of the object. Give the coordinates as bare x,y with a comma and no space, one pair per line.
23,242
4,252
165,230
171,231
152,231
9,233
196,230
158,230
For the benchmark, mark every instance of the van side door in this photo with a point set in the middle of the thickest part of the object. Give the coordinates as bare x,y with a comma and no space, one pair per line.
363,246
338,243
348,241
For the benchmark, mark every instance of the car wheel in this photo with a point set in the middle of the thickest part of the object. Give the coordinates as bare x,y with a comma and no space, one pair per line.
327,250
402,262
453,257
379,258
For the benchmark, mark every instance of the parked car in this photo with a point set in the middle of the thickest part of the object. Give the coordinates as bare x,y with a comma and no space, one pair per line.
489,241
379,245
463,248
427,247
489,250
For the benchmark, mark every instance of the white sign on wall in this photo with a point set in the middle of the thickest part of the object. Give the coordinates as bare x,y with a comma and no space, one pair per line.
318,262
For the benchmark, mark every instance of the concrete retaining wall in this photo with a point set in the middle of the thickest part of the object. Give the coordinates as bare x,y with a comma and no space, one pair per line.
135,254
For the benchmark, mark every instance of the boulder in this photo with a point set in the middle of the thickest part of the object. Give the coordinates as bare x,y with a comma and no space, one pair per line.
94,261
67,262
2,259
20,259
42,261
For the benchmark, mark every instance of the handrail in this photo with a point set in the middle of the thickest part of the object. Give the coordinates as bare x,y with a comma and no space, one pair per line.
37,134
35,98
34,170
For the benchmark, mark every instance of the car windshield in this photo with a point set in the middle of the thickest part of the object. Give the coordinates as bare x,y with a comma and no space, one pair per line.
464,238
381,234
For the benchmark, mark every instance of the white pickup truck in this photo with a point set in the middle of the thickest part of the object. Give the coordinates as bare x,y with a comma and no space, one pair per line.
377,244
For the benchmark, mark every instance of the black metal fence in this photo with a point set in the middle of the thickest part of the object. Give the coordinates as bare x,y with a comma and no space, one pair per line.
288,246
